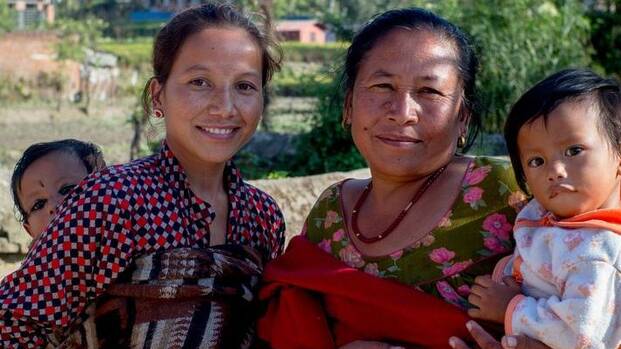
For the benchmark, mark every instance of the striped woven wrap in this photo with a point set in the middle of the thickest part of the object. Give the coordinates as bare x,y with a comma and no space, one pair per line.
181,298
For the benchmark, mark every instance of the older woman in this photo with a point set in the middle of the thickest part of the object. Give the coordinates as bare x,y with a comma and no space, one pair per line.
169,247
428,217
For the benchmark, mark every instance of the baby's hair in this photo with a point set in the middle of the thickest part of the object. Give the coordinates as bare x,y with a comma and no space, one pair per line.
549,93
89,153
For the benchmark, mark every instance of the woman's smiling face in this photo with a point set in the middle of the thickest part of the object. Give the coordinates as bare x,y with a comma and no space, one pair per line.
213,98
404,106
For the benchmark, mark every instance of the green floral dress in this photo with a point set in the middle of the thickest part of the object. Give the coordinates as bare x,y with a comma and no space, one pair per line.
467,241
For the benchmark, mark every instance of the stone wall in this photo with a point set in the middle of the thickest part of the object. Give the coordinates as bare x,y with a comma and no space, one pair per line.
295,197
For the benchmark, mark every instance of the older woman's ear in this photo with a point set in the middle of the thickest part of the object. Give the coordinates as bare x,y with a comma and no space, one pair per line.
346,118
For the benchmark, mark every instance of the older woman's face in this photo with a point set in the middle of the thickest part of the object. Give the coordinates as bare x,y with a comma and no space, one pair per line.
404,106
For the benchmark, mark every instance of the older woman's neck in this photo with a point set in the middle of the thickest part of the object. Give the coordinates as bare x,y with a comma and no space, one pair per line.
386,187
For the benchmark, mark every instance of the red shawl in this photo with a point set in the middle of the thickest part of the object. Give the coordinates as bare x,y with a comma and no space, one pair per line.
316,301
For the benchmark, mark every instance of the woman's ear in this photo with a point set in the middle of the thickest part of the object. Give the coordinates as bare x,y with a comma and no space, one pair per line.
347,110
155,90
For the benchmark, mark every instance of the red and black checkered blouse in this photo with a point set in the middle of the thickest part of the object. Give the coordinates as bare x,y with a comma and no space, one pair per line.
113,216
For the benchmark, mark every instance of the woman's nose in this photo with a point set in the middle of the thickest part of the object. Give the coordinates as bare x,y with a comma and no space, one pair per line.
221,102
404,108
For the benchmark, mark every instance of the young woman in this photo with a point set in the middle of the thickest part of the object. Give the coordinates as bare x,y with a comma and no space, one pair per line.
142,233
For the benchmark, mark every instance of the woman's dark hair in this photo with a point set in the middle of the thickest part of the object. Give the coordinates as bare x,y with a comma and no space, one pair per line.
549,93
193,20
419,19
89,153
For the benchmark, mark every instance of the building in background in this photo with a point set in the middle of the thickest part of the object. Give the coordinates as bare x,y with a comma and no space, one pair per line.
302,30
32,12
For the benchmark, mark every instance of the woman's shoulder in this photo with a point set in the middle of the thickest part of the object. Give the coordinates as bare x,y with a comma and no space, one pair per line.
258,197
120,180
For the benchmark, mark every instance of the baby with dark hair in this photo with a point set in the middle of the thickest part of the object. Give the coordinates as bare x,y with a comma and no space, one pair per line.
564,139
45,174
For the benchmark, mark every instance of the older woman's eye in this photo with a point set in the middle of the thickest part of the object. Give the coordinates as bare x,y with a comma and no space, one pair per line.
535,162
38,205
573,150
382,87
429,90
65,189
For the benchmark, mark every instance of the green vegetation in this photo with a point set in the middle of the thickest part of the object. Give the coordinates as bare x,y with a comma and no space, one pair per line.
131,52
518,42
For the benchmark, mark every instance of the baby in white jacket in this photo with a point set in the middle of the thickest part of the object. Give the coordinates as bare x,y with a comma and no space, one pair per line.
564,139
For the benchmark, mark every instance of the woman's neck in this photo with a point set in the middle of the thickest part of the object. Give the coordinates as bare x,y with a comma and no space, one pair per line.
206,179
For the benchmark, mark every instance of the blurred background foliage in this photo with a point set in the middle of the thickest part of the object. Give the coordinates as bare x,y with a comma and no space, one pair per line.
518,42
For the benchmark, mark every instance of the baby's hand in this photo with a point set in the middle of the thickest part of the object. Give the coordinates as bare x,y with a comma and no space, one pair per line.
491,298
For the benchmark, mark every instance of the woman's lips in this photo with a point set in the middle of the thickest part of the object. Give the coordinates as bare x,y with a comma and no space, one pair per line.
398,140
218,132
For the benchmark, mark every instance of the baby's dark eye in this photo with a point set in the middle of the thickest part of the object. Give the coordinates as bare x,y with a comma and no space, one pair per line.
535,162
38,205
65,189
573,150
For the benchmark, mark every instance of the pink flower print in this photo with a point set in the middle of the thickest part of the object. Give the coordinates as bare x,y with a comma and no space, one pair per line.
517,200
372,269
351,257
331,218
445,222
498,225
525,240
396,255
338,235
545,270
428,240
583,342
325,245
477,175
456,268
441,255
463,290
586,289
572,240
472,195
494,245
447,292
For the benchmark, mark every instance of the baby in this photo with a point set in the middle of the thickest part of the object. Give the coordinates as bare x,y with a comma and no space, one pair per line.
564,139
45,174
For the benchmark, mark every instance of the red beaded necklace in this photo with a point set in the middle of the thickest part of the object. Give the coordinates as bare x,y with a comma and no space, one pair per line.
419,193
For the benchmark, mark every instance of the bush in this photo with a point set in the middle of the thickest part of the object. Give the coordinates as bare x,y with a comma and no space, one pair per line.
328,147
295,81
519,43
299,52
606,38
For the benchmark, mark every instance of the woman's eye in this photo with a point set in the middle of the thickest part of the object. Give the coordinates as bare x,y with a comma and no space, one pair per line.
382,87
245,86
430,90
573,150
199,82
38,205
535,162
65,189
